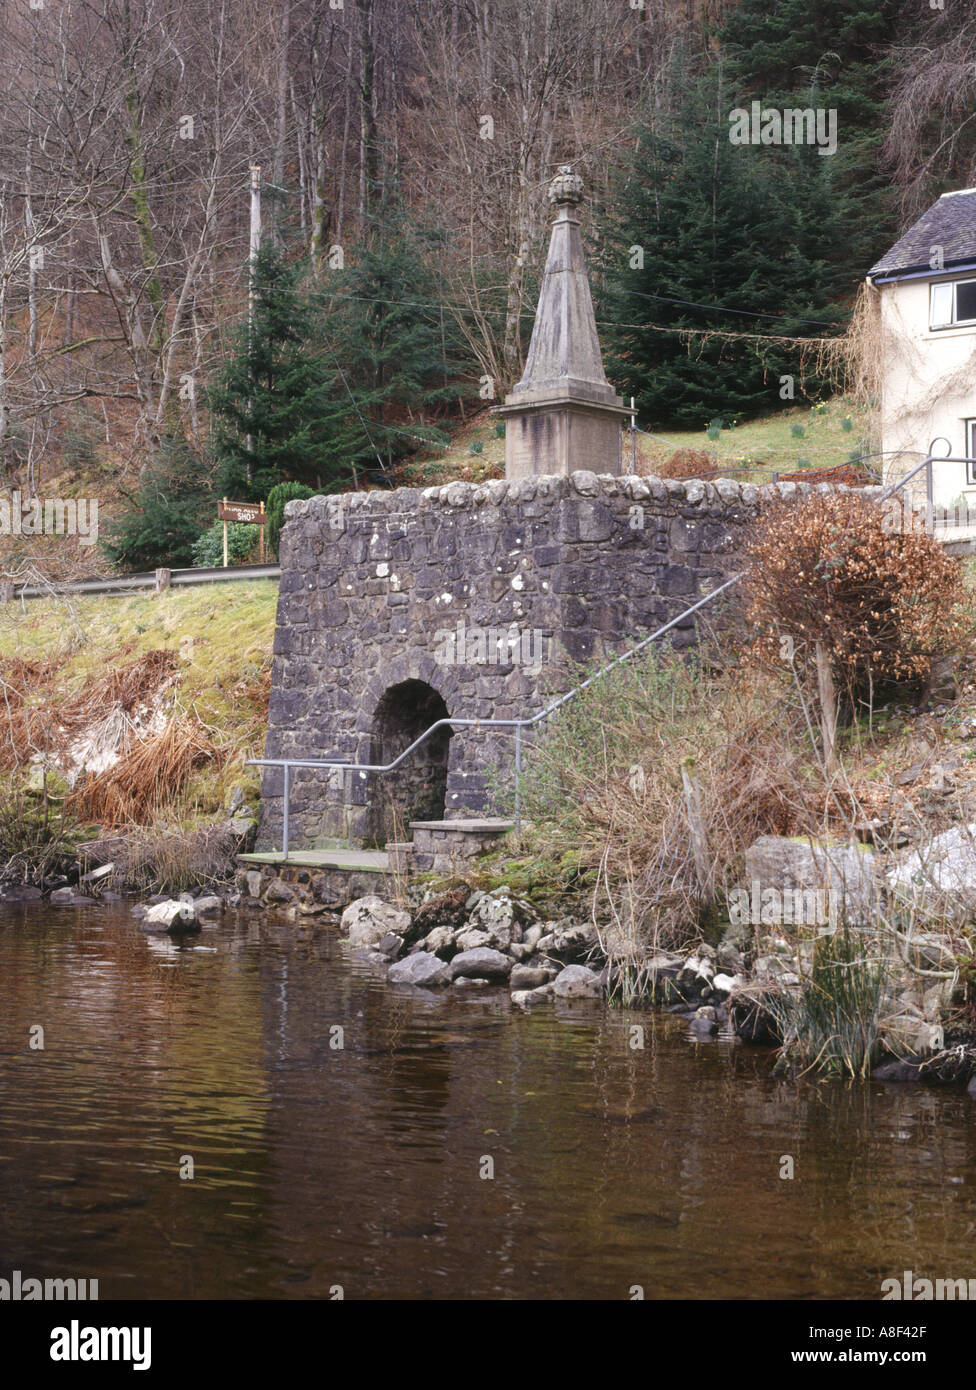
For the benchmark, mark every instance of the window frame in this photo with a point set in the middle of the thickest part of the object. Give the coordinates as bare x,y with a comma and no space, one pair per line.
955,321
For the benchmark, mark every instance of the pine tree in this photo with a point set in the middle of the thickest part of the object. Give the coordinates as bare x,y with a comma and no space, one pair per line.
172,505
728,227
394,341
827,54
276,390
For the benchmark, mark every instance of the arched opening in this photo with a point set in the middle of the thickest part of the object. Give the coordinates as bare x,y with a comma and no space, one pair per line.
416,790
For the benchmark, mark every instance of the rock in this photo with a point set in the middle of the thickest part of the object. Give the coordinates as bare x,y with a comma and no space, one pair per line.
367,920
470,981
532,936
501,917
811,871
482,961
176,918
390,946
419,969
206,905
525,998
440,942
278,891
752,1020
471,939
252,881
971,1088
578,982
528,977
897,1070
940,878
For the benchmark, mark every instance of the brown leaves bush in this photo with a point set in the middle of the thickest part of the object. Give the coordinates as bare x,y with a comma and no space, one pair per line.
147,778
884,601
687,463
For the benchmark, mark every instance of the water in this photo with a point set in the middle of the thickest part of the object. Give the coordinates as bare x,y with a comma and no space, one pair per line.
361,1166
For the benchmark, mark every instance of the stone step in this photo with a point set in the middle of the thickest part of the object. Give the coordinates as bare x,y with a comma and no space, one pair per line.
437,844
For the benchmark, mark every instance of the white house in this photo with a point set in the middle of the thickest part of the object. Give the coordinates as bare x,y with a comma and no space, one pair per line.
927,284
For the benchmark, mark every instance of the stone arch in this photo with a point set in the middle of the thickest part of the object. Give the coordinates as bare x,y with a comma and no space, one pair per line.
417,789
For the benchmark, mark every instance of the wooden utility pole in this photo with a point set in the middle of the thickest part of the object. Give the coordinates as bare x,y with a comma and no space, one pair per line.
251,276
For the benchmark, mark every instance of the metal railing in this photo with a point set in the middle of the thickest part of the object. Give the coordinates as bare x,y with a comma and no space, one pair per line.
457,723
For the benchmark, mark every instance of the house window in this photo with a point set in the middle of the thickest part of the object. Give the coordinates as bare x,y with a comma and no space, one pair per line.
952,302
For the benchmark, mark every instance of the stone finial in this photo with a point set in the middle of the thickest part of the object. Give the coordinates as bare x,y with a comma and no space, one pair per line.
566,189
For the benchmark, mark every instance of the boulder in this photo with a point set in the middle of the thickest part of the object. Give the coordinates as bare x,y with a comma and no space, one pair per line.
208,905
578,982
471,939
419,969
440,942
481,962
278,891
176,918
366,921
501,917
528,977
817,869
252,882
525,998
940,878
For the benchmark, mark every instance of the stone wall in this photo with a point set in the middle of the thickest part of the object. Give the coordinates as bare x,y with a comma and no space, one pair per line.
388,589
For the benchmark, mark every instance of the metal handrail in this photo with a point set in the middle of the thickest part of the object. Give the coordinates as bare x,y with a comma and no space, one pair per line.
517,724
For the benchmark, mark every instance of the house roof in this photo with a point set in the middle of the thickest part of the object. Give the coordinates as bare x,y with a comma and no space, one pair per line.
950,224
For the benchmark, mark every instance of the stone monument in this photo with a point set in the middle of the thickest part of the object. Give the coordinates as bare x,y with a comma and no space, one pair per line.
563,415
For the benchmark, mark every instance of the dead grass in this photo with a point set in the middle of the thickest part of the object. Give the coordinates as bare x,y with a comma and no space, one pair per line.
147,778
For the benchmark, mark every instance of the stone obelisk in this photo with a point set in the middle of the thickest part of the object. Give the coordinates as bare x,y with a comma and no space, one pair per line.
563,414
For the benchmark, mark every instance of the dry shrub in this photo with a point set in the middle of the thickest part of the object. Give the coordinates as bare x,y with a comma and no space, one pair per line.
831,569
121,688
147,778
168,860
688,463
605,780
849,474
29,724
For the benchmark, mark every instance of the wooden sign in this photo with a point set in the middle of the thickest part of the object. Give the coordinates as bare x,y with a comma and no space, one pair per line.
252,513
248,513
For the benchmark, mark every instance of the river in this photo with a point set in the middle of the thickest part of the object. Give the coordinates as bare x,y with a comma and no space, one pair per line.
400,1144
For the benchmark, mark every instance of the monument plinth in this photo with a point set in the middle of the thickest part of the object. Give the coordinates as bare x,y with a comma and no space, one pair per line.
563,414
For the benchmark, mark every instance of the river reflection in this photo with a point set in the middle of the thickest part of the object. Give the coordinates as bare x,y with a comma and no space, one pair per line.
361,1166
